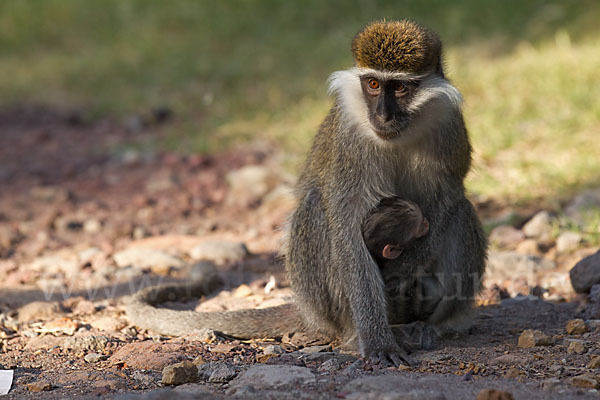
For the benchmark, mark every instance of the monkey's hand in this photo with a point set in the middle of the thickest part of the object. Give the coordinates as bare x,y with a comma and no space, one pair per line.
386,354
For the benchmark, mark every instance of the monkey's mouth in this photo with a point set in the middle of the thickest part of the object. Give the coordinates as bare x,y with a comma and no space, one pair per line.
390,130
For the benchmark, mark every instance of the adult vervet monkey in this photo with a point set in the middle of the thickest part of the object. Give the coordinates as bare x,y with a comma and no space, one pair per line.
395,129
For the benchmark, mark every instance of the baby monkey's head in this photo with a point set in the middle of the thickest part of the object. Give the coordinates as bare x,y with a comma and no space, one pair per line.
392,225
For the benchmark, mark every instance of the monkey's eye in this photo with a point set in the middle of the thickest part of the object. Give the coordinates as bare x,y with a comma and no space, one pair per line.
373,84
401,90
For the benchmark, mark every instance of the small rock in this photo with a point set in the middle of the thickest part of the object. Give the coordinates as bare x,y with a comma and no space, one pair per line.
316,349
157,261
550,384
593,324
330,365
273,349
37,310
92,226
94,357
325,356
503,265
93,343
576,327
582,204
576,347
242,291
64,325
176,374
273,376
529,247
587,381
39,386
217,372
510,359
568,241
531,338
506,236
594,362
148,355
108,324
204,335
219,252
539,226
493,394
594,296
249,184
586,273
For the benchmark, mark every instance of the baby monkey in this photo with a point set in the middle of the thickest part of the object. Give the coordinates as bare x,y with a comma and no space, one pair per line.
391,226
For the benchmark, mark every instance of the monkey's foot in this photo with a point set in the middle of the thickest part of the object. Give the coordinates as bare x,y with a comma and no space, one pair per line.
415,336
391,355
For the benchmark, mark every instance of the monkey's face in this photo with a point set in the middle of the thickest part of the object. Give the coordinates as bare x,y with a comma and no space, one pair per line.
409,230
388,103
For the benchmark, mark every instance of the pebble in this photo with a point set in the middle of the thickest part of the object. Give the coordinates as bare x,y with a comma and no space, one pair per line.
506,236
587,381
586,273
217,372
176,374
539,226
576,347
550,384
493,394
576,327
568,241
274,376
242,291
219,252
37,310
157,261
594,362
510,264
531,338
251,183
273,349
94,357
39,386
529,247
92,226
582,203
108,324
95,343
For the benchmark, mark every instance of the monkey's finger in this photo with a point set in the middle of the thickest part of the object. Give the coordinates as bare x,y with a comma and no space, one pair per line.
399,359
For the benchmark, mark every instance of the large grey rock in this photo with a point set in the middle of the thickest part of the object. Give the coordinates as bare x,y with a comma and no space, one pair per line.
539,226
586,273
273,376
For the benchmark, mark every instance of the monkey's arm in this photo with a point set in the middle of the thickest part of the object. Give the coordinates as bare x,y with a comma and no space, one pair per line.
363,286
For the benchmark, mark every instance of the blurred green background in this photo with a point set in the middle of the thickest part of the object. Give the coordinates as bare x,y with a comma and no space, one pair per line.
238,71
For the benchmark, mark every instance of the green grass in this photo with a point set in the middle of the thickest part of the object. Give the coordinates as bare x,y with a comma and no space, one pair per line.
235,71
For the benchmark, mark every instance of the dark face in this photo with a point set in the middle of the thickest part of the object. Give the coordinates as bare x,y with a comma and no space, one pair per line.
387,103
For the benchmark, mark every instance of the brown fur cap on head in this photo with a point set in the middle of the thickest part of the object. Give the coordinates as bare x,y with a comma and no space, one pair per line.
397,46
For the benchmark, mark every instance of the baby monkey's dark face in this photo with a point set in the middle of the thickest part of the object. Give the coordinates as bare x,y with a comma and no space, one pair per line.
393,225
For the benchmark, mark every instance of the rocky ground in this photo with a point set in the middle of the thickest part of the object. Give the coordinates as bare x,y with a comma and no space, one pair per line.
85,221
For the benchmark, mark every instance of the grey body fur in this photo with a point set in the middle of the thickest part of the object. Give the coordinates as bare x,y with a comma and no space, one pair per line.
338,286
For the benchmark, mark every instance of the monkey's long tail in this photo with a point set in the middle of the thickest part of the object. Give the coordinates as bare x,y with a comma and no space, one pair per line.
244,324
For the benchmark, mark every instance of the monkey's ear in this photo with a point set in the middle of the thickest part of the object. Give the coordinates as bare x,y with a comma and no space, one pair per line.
390,252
